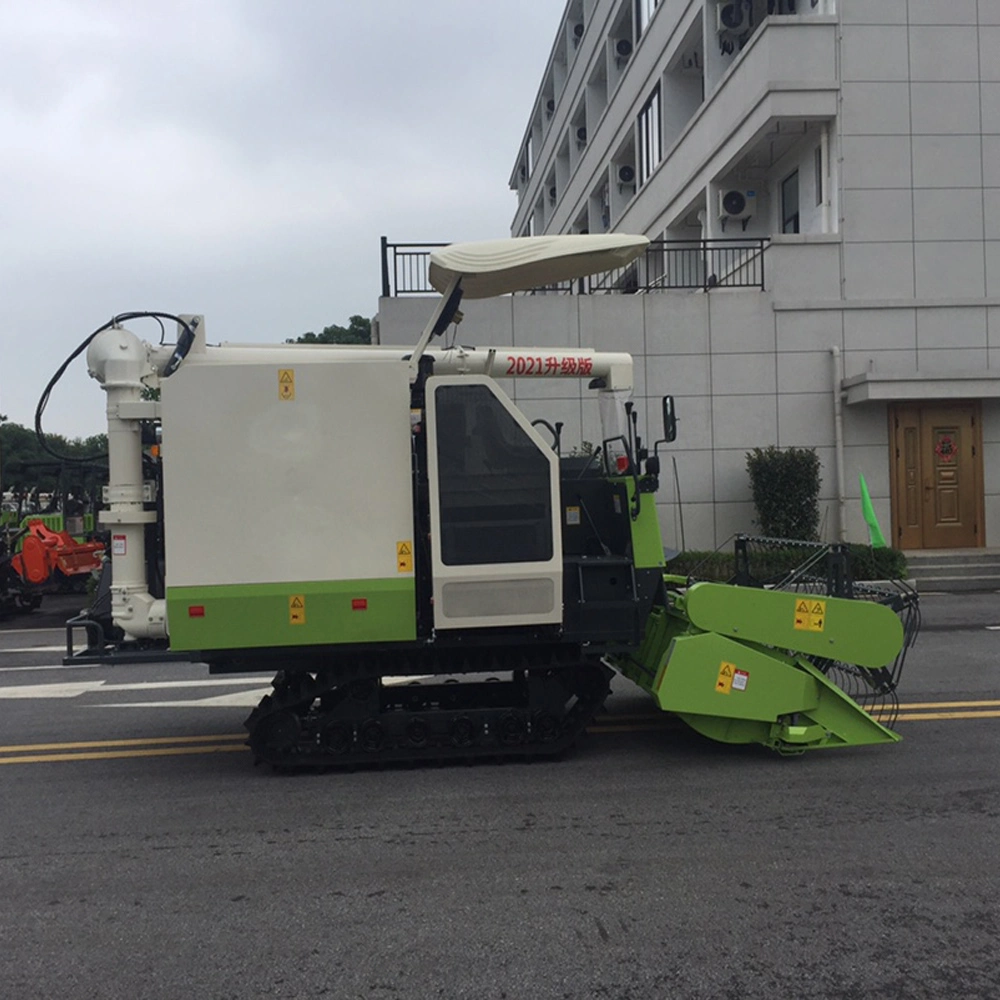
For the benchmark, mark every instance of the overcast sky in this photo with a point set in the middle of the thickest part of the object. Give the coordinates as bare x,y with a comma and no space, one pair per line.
241,159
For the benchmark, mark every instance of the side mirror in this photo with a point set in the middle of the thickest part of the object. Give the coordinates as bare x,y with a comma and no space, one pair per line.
669,419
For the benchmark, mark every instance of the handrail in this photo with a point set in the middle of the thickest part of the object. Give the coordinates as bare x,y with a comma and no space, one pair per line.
732,262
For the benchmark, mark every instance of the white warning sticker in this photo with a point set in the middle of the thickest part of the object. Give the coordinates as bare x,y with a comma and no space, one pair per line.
119,545
740,678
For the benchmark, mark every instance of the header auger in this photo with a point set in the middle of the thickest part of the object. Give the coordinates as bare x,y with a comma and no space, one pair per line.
442,582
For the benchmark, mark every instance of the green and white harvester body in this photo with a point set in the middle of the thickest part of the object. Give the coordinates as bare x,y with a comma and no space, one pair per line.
347,516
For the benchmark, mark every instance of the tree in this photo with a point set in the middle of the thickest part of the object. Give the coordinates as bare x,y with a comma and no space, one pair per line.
25,466
358,331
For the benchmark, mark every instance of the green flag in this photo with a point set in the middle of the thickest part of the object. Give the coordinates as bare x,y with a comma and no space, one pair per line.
875,535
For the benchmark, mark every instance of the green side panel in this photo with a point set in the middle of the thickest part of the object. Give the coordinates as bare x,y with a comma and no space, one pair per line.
647,542
689,681
860,632
247,616
737,694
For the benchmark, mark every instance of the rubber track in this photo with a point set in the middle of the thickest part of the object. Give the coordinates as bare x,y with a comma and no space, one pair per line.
344,718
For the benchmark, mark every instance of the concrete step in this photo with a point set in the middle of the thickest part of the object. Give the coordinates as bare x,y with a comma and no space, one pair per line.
945,557
954,569
956,584
985,565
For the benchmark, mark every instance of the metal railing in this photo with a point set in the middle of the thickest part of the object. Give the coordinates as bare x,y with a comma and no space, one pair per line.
666,265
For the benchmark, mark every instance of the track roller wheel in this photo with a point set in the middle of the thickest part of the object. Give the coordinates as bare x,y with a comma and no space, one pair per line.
418,733
371,736
511,729
546,727
281,730
463,732
338,736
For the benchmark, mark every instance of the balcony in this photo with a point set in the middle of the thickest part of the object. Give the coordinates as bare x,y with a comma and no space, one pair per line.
667,265
782,83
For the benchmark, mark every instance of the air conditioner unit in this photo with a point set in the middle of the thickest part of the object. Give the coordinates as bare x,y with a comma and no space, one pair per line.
733,18
581,135
737,204
626,174
623,48
578,30
552,194
550,107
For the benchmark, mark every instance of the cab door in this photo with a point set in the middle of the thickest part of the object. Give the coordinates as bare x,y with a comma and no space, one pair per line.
496,550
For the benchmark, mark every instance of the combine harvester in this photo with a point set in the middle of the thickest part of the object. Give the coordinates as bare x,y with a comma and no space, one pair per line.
428,529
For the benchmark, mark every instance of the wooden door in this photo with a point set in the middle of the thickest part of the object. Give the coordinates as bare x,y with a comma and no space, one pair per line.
937,475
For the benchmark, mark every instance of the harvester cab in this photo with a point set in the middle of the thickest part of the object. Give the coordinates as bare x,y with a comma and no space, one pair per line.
459,547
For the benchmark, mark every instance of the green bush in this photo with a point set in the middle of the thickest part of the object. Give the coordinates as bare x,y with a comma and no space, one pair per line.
877,564
785,487
866,564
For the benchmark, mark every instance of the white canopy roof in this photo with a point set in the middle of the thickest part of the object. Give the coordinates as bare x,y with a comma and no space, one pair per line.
497,267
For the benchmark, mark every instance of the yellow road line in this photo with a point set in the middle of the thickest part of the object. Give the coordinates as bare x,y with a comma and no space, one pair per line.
151,741
925,716
113,754
948,704
169,746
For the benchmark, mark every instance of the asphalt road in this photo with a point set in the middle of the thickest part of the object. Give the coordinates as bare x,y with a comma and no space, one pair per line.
157,862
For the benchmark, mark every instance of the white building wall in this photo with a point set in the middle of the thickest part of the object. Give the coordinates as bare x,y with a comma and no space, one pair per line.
897,265
747,371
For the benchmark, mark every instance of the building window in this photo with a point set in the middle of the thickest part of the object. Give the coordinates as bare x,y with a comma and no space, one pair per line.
650,136
790,203
818,161
529,159
644,10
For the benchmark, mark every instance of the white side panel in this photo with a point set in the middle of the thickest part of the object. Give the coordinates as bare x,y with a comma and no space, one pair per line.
264,489
493,594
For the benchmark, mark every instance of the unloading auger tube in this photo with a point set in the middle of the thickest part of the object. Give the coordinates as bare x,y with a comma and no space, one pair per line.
439,581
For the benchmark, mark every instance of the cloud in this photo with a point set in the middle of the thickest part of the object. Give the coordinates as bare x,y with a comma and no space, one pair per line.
241,159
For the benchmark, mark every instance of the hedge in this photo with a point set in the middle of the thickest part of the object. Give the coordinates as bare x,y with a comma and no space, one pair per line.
866,564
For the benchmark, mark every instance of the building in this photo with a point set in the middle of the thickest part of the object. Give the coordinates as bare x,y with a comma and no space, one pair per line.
822,180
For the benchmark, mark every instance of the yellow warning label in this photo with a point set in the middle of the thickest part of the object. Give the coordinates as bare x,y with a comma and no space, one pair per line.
810,615
724,683
404,557
286,384
297,609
